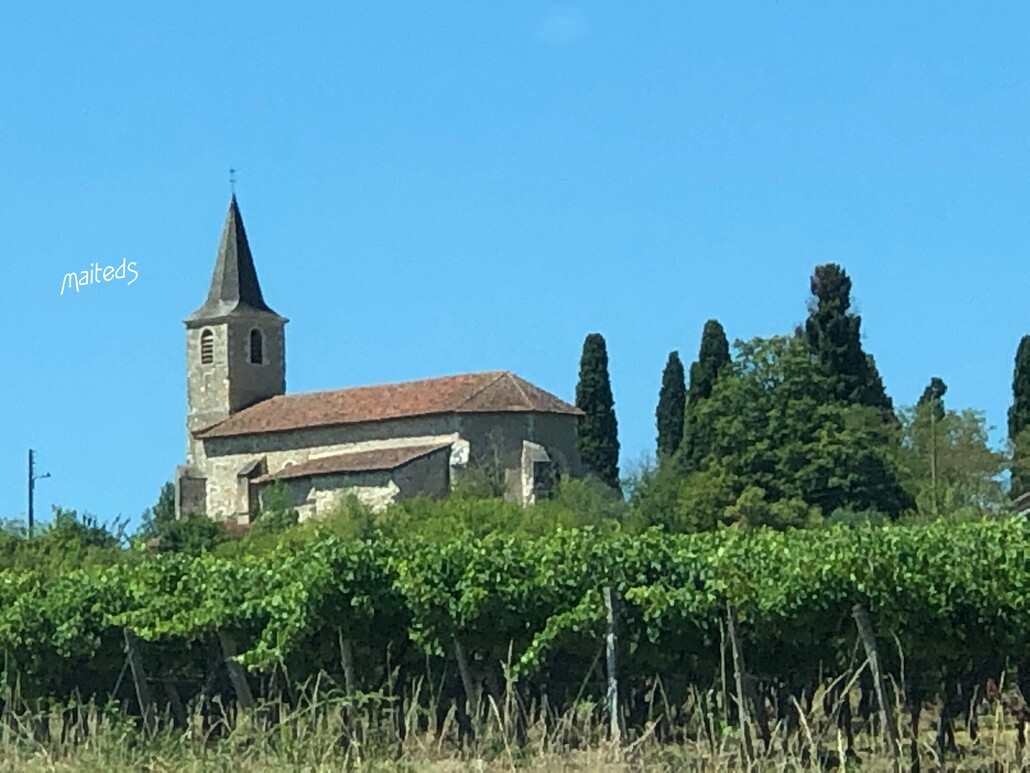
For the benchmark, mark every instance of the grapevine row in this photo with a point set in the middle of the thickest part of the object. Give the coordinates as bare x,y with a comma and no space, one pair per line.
944,598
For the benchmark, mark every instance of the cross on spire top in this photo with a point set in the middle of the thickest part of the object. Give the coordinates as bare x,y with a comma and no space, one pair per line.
232,180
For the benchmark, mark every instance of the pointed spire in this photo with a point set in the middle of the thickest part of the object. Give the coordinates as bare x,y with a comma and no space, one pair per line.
234,283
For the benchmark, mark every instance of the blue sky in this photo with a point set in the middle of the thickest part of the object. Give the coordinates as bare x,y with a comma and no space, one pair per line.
451,187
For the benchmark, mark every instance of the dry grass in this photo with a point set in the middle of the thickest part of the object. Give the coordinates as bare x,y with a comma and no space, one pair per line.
329,732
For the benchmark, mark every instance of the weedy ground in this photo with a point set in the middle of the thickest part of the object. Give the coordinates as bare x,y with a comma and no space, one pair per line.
329,733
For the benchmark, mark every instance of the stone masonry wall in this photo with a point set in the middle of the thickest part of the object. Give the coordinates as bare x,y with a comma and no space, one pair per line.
231,381
506,431
207,386
224,458
316,496
253,382
428,476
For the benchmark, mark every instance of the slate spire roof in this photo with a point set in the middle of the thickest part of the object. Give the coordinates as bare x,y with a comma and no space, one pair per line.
234,283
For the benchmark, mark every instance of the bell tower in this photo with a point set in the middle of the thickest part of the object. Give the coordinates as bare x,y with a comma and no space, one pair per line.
235,343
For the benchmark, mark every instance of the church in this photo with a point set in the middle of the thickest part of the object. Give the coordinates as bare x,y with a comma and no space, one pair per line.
380,443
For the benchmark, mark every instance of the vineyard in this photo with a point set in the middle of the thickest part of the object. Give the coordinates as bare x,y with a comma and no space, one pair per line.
519,625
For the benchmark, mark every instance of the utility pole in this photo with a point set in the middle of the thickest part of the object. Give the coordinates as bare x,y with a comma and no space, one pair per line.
32,487
933,452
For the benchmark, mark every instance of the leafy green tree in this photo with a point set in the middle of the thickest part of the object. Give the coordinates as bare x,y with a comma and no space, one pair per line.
69,541
833,333
1019,420
155,519
712,498
277,511
190,534
598,427
713,360
776,453
654,491
484,475
352,519
752,510
951,468
672,402
849,516
767,427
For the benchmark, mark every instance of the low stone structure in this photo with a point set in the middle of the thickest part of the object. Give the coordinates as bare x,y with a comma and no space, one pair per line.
379,443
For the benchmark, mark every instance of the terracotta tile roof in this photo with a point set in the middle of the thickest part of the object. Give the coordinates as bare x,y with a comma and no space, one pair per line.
358,461
496,392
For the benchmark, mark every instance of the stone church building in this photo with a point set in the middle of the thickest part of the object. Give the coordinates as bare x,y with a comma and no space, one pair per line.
381,443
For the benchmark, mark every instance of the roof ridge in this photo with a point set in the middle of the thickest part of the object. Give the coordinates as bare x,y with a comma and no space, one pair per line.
383,384
497,376
490,391
517,381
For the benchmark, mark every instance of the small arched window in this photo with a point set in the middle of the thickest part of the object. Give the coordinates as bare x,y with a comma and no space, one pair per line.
207,347
256,353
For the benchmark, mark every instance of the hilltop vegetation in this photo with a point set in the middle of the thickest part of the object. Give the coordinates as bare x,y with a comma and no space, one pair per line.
787,491
477,625
798,431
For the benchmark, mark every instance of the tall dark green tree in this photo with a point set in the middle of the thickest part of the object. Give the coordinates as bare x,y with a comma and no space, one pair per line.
833,333
1019,420
598,427
713,359
927,424
672,402
933,396
875,393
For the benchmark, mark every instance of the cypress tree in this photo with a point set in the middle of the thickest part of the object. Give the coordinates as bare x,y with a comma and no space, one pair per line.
875,394
1019,419
712,359
672,401
598,428
833,334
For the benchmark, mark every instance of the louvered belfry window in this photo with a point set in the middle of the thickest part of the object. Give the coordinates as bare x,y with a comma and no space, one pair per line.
256,353
207,347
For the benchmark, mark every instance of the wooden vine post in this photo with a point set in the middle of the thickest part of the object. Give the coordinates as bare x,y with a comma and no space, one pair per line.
347,660
611,661
237,675
139,677
747,748
472,696
868,636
